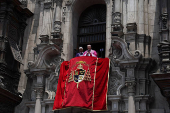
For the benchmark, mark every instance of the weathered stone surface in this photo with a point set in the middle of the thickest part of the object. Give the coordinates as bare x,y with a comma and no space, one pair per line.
133,30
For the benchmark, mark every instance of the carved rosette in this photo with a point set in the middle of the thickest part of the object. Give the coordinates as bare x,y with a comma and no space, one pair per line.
131,86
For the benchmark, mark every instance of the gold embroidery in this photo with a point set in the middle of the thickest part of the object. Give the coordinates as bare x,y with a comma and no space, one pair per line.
88,76
71,76
81,62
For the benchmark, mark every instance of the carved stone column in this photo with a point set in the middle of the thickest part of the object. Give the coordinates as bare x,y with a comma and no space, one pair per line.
115,99
141,26
117,28
39,89
57,19
57,35
131,91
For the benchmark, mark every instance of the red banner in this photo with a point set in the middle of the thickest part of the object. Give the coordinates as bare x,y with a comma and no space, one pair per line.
84,84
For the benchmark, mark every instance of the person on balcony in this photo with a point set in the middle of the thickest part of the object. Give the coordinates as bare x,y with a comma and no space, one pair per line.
80,52
90,52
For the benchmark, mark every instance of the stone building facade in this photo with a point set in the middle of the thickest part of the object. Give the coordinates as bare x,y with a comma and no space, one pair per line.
126,31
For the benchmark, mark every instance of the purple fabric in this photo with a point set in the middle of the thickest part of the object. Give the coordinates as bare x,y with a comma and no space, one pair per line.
79,54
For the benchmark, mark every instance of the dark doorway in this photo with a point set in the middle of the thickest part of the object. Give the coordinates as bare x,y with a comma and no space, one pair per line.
92,29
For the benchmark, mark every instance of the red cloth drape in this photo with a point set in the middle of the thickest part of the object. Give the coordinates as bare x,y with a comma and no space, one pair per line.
61,85
89,92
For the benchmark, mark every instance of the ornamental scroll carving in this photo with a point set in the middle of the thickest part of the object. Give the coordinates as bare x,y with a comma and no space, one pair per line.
116,80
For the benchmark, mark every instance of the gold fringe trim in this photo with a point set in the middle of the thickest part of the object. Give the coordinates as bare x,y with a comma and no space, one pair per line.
94,83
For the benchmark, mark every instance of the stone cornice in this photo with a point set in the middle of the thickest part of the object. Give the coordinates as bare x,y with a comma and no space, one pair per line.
17,5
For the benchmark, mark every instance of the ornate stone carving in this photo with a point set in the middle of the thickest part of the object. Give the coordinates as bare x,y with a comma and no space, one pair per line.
24,3
68,2
15,50
116,50
47,4
137,54
39,91
163,20
1,82
131,86
164,56
116,80
113,6
113,85
57,26
117,28
58,2
120,50
131,28
64,14
117,17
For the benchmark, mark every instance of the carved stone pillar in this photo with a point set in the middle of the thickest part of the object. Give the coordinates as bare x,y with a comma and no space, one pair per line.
39,93
131,11
117,28
57,22
164,26
115,99
57,19
44,42
141,26
39,89
131,36
57,35
131,91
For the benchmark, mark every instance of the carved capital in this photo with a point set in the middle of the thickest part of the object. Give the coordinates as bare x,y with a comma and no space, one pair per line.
131,86
39,90
131,28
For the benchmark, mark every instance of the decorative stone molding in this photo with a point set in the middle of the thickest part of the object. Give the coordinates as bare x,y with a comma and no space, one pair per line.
131,86
116,80
1,82
164,54
48,4
116,101
44,42
39,91
45,57
117,27
58,2
131,28
64,14
52,81
121,47
68,2
164,21
57,26
117,17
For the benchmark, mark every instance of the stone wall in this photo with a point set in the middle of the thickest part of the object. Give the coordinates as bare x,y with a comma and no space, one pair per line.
132,35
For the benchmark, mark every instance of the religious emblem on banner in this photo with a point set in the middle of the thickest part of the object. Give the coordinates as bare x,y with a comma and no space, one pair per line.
80,74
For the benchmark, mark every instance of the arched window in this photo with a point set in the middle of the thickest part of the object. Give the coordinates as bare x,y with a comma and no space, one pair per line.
92,28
